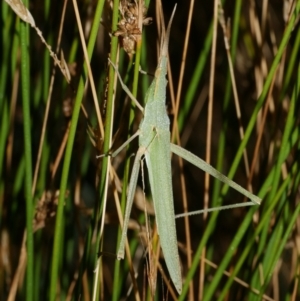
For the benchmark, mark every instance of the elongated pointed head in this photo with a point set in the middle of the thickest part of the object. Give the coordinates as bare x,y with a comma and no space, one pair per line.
164,49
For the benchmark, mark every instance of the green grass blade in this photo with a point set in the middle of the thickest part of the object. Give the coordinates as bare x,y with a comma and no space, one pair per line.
25,71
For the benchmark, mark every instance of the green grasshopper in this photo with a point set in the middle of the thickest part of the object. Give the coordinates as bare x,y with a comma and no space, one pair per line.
156,147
